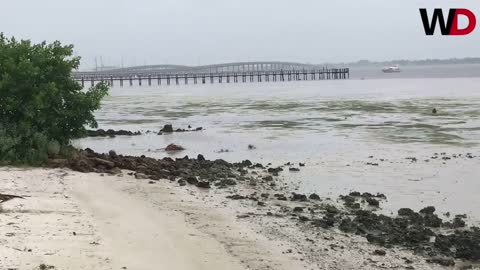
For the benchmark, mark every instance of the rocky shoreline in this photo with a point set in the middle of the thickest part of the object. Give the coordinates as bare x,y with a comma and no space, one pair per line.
111,133
167,129
423,233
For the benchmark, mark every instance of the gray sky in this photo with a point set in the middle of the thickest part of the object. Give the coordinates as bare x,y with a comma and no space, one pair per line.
194,32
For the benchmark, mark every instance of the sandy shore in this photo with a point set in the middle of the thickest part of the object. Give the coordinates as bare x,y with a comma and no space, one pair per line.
73,220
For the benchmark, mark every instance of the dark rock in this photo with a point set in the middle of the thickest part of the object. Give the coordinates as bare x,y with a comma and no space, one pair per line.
465,243
380,196
355,206
299,197
412,159
268,178
222,162
228,182
326,222
81,165
274,170
373,202
280,197
298,209
380,252
294,169
442,261
184,158
102,162
458,222
346,225
203,184
246,163
349,200
406,212
432,221
174,147
182,182
192,180
258,165
367,195
373,238
167,129
200,157
237,197
331,209
301,164
314,196
111,133
303,218
112,154
429,210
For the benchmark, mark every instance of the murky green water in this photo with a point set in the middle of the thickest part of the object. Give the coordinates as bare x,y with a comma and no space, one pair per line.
389,111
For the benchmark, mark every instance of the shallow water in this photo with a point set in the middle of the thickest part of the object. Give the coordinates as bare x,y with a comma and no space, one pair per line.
333,126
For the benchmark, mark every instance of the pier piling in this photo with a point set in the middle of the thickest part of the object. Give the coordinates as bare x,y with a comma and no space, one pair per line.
251,73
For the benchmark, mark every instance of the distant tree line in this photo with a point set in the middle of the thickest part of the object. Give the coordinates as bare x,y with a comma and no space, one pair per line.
424,62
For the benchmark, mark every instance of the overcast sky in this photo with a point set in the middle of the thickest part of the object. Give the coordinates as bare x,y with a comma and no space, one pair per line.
195,32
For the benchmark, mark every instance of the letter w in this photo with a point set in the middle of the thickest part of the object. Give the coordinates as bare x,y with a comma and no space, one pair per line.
437,16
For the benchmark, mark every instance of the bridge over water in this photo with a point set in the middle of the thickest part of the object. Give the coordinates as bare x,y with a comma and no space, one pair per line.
227,72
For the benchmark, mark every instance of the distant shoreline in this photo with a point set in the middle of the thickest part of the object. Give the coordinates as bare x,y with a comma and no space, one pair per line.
423,62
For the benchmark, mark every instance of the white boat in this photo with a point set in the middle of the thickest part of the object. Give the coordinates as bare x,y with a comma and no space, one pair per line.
391,69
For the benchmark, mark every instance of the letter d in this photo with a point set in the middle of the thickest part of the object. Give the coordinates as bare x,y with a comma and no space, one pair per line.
472,22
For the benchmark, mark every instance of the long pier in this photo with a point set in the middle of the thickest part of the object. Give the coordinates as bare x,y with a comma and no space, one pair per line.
222,73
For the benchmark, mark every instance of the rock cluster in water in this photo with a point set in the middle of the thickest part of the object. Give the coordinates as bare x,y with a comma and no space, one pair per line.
111,133
169,129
